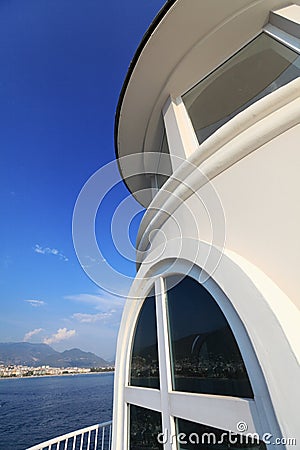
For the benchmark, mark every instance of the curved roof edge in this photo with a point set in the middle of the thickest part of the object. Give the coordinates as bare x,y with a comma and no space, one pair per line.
225,27
157,19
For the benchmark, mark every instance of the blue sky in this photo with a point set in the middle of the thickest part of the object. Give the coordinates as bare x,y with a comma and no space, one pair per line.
62,67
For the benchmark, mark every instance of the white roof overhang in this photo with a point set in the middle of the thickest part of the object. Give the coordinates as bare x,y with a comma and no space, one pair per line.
187,40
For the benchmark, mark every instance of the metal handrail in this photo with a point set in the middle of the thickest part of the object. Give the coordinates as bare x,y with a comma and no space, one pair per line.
95,437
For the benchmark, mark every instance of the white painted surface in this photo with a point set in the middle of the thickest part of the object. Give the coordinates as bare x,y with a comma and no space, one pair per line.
291,12
253,301
255,269
208,409
164,357
182,139
147,398
203,36
232,208
254,311
256,190
287,19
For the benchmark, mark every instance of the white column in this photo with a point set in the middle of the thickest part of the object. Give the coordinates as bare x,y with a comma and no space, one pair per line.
182,139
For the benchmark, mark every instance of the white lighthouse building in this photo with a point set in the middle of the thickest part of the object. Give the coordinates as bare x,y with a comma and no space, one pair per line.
208,139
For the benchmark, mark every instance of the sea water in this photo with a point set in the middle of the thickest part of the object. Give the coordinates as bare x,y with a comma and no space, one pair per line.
33,410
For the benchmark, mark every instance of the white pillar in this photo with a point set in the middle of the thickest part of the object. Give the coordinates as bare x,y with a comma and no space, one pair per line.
182,139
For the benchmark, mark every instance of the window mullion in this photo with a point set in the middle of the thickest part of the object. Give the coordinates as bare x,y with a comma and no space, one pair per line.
168,423
209,410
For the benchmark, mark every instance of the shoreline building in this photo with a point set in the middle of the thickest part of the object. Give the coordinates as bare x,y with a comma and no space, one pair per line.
207,137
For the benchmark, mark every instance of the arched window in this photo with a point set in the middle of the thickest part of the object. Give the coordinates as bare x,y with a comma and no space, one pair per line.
203,358
204,353
144,357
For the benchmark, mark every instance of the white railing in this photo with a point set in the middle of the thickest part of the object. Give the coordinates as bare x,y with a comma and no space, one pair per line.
96,437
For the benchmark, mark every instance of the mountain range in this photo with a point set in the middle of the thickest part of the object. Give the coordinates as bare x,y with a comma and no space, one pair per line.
35,355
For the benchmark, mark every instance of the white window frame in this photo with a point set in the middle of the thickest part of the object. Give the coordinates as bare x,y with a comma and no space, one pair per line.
204,409
201,408
181,136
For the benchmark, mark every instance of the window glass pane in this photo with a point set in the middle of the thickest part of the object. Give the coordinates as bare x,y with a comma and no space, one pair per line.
258,69
205,355
144,359
197,436
145,426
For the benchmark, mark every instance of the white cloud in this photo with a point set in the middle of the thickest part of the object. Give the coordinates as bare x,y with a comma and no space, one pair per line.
106,308
29,335
61,335
104,302
90,318
35,303
88,262
49,251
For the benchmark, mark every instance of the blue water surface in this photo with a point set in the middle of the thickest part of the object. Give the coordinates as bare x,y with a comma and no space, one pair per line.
33,410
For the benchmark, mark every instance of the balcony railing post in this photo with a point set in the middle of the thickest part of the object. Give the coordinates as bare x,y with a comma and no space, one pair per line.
78,438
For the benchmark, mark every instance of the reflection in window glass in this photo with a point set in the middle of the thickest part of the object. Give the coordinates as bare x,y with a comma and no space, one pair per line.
205,355
145,426
258,69
144,359
197,436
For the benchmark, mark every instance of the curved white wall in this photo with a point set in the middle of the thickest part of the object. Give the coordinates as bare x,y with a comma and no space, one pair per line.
236,215
248,201
264,322
241,226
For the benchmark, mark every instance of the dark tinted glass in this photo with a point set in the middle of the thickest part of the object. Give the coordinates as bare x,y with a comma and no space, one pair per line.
205,355
145,426
197,436
258,69
144,359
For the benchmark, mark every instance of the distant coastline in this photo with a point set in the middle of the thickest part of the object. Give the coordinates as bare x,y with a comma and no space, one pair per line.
20,371
56,375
